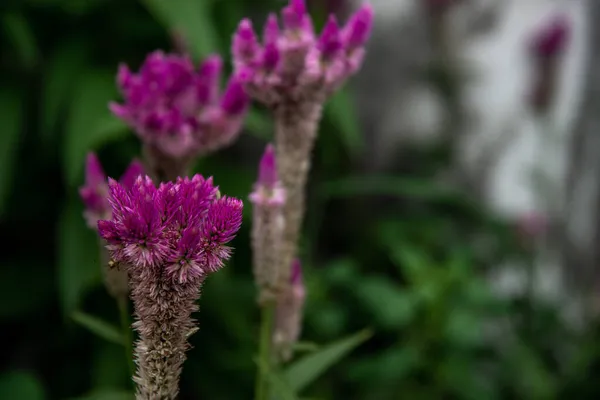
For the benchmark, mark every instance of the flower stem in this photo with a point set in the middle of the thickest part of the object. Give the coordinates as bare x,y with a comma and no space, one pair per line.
127,334
264,351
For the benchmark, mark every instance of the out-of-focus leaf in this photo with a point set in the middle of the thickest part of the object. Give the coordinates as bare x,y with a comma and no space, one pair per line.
21,385
259,124
107,395
308,347
99,327
387,185
390,307
278,383
464,328
78,256
342,114
190,18
90,123
461,375
60,76
309,368
21,35
531,380
11,118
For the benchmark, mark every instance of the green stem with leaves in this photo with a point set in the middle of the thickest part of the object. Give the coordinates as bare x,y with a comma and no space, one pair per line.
265,357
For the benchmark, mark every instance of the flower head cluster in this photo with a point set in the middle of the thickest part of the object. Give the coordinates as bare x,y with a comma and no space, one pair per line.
293,60
181,227
268,190
551,40
177,108
95,191
547,46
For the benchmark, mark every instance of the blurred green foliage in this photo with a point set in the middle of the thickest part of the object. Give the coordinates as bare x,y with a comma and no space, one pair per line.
397,254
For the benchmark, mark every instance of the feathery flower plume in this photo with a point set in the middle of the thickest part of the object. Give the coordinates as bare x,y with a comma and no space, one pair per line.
169,239
268,199
293,70
94,195
288,317
293,62
546,48
177,110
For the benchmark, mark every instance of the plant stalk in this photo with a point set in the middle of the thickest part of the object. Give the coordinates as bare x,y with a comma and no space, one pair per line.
265,351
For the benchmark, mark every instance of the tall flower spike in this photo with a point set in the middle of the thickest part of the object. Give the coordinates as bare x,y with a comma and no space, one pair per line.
289,313
169,239
170,106
267,199
294,75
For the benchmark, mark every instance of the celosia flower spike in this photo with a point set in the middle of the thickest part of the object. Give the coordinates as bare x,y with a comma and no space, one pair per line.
293,64
171,106
290,305
267,198
169,239
268,190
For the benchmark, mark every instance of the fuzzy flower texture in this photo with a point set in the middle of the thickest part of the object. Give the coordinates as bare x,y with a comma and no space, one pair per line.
169,238
293,61
178,109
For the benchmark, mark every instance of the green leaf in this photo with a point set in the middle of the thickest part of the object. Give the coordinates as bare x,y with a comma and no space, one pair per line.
190,18
279,385
259,124
107,395
60,76
99,327
11,118
306,370
342,114
90,123
21,385
78,256
21,34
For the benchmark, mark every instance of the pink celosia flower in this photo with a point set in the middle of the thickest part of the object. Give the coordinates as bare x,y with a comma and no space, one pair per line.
288,321
94,192
551,40
268,190
292,60
293,70
169,239
267,198
176,108
546,47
